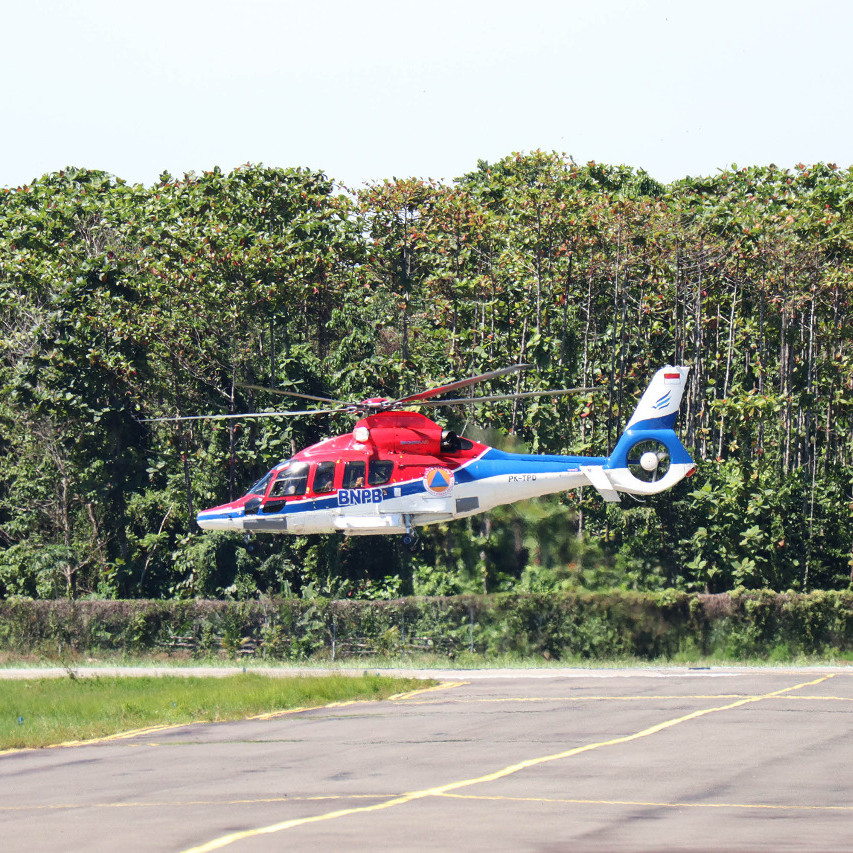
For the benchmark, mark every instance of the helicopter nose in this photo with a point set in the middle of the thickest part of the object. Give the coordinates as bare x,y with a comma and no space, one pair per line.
220,518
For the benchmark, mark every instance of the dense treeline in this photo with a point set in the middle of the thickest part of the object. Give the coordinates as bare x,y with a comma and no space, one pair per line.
561,626
121,302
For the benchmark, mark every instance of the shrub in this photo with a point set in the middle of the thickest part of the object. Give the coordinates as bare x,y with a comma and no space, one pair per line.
614,624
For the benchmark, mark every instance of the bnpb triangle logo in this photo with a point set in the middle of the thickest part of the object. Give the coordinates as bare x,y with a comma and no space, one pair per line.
438,481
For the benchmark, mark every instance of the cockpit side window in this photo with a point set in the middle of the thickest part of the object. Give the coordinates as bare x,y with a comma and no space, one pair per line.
324,477
379,472
354,475
291,480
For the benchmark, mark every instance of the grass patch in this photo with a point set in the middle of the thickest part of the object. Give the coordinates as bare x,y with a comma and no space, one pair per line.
690,655
46,711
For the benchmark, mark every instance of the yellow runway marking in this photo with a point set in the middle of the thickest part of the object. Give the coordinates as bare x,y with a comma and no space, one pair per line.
639,698
772,806
441,790
184,803
296,799
444,685
106,738
272,715
487,700
396,697
822,698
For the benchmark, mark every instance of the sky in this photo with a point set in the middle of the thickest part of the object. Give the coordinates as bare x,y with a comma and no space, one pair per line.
379,89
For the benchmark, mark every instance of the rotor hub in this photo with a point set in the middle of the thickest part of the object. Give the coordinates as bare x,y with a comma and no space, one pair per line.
649,461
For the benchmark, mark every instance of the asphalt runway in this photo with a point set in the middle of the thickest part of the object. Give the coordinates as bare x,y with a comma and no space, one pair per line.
603,760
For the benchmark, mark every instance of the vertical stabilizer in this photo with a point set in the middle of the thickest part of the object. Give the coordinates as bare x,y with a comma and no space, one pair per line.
661,401
649,458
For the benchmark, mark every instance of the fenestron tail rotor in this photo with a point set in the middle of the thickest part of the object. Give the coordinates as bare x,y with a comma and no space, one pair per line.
649,460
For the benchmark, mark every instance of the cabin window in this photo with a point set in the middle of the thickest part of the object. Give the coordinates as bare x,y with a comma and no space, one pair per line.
354,475
291,480
380,472
324,477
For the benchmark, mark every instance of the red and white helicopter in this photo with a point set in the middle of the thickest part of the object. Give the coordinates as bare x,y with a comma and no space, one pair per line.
398,470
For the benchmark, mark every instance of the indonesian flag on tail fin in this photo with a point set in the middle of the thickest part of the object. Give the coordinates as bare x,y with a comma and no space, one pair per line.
659,404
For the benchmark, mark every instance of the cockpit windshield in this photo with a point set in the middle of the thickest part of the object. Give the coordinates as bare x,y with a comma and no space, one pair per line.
292,479
260,487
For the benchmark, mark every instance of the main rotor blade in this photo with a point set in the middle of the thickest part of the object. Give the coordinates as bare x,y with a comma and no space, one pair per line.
292,394
462,383
561,392
244,416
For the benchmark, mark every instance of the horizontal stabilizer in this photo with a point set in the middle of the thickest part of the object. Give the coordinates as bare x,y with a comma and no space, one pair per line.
595,474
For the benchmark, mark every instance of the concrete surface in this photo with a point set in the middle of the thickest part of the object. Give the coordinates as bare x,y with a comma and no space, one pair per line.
539,760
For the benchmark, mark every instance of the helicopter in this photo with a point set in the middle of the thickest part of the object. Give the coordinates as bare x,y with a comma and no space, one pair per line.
398,470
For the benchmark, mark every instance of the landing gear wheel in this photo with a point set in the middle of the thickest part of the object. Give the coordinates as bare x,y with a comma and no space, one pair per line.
411,541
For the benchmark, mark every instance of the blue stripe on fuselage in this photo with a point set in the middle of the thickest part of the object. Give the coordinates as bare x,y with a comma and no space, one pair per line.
494,463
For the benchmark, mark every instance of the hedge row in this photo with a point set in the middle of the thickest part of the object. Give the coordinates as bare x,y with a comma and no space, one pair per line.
558,627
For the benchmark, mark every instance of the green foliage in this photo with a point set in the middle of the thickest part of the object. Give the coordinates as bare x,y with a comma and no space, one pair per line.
123,301
40,571
555,626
